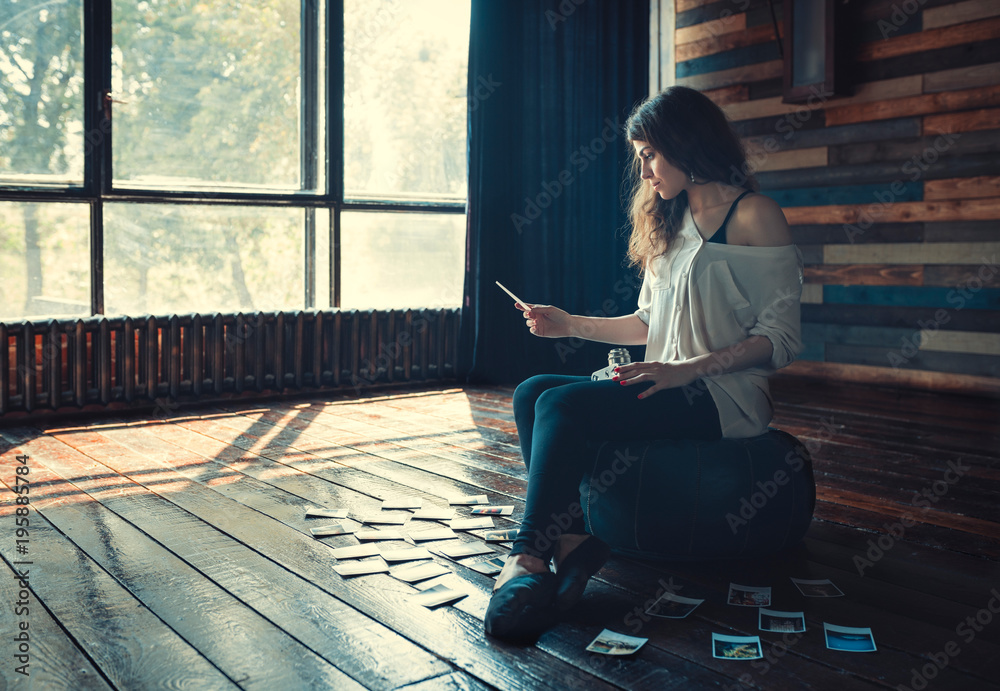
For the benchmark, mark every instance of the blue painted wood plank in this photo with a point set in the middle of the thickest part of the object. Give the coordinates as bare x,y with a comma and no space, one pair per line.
855,133
738,57
914,296
814,352
898,23
884,193
935,361
859,335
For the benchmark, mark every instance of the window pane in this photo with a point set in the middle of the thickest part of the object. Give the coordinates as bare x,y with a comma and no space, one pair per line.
45,255
324,291
41,92
211,92
405,75
401,260
170,258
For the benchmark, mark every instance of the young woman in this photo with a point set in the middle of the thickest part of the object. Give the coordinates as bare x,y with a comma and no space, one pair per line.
718,312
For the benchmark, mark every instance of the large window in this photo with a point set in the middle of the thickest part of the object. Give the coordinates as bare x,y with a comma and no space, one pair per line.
168,156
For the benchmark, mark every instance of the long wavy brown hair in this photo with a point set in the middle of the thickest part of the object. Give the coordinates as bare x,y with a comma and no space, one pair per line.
693,134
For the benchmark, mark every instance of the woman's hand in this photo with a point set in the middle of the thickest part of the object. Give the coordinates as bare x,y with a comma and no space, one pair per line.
663,375
548,321
551,322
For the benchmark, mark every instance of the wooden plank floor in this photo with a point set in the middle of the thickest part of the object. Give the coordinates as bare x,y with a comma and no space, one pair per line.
173,552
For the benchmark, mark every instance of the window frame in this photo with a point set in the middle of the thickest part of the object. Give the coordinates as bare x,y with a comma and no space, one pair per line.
98,189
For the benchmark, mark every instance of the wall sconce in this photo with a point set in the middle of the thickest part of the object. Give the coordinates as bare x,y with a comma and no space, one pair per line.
809,50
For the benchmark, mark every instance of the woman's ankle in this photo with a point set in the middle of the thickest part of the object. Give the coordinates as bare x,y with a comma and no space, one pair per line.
530,563
567,543
519,565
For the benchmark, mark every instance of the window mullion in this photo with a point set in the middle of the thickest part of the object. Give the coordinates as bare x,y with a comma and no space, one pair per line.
309,95
97,140
309,137
335,100
335,136
96,257
335,281
97,84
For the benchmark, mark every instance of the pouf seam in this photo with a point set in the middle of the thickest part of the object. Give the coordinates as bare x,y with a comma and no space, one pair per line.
697,499
638,491
590,488
746,538
788,523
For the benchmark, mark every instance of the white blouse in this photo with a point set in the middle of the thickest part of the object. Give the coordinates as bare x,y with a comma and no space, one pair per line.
701,297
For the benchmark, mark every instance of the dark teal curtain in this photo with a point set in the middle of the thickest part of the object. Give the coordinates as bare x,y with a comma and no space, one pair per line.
550,85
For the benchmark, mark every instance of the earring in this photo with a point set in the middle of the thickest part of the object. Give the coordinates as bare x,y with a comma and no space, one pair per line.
692,175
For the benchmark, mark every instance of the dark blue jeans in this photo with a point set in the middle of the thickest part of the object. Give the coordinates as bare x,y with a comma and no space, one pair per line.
556,417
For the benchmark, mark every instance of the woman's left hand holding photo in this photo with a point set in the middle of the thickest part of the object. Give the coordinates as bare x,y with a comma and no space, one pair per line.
547,321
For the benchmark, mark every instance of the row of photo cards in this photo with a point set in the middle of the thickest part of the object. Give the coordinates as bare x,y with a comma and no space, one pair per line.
414,564
726,647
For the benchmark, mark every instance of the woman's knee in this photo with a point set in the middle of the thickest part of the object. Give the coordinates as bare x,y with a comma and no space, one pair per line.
560,401
528,391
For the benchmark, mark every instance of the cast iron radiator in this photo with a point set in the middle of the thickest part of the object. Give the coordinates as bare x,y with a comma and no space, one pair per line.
67,365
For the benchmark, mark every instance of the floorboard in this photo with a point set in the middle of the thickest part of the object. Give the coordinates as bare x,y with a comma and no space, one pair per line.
174,551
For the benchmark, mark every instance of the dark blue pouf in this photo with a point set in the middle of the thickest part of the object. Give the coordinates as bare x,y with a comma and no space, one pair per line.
729,498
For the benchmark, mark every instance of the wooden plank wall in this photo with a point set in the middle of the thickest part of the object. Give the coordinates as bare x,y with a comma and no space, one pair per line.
891,189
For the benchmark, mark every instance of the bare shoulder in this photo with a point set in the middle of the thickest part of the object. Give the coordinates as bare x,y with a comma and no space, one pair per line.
759,221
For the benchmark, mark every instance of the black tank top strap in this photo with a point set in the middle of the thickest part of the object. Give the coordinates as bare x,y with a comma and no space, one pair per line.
720,234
